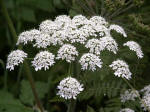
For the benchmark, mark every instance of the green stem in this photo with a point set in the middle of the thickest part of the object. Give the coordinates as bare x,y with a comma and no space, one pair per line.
31,81
136,94
71,106
10,24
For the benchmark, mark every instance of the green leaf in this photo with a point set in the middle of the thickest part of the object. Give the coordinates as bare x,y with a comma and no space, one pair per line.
90,109
9,104
26,95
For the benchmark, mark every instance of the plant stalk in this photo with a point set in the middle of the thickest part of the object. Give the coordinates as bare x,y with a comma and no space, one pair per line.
71,106
9,22
31,81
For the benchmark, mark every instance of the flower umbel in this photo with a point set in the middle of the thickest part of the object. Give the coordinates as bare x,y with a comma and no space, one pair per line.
15,58
67,52
90,61
121,69
44,59
69,88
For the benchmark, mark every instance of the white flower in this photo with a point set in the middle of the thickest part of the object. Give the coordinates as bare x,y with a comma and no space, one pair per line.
49,26
44,59
127,110
44,40
134,46
90,61
145,102
95,46
63,20
146,90
118,29
79,20
121,69
98,20
15,58
110,44
69,88
28,36
67,52
129,95
101,30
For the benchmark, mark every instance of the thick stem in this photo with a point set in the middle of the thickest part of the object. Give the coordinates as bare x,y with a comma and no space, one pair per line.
31,81
9,22
136,94
71,106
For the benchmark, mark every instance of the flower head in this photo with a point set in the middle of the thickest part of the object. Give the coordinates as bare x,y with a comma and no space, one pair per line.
118,29
98,20
129,95
145,102
134,46
79,20
146,90
44,40
15,58
90,61
49,27
69,88
28,36
109,43
67,52
127,110
95,46
121,69
44,59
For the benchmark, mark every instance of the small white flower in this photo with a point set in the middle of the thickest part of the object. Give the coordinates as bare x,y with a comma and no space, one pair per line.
44,59
90,61
129,95
98,20
118,29
44,40
69,88
95,46
28,36
79,20
134,46
67,52
121,69
49,26
146,90
127,110
63,20
15,58
145,102
110,44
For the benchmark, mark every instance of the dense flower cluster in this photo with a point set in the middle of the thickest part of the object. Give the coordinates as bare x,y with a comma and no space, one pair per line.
121,69
127,110
134,46
69,88
129,95
44,59
67,52
15,58
90,61
145,102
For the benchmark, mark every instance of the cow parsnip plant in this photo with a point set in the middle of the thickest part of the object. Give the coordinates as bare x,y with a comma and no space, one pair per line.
81,40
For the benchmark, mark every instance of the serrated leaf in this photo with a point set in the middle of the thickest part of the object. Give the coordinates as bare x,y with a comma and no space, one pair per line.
9,104
26,95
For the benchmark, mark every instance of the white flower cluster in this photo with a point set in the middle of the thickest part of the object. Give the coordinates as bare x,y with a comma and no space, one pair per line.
134,46
118,29
121,69
110,44
90,61
69,88
146,90
145,102
127,110
129,95
67,52
15,58
44,59
28,36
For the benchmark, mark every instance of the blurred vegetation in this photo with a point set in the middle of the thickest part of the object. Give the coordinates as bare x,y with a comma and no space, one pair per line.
102,89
